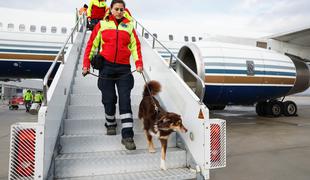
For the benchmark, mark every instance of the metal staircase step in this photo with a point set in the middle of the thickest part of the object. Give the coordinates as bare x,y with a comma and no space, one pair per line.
96,143
93,89
95,112
170,174
93,126
88,84
79,75
95,99
115,162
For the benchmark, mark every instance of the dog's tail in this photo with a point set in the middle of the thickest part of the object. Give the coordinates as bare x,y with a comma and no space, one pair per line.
154,87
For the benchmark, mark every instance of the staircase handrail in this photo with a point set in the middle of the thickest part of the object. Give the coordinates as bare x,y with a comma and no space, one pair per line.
202,92
60,56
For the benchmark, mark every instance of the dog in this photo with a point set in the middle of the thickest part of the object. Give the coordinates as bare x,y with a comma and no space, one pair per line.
158,123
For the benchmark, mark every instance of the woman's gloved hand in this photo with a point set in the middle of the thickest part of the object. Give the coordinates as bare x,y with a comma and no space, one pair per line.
85,71
140,69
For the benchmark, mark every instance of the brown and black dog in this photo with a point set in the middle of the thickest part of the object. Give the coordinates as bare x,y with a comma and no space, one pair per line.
161,123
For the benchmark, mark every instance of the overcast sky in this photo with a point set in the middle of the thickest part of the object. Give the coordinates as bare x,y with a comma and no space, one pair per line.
232,17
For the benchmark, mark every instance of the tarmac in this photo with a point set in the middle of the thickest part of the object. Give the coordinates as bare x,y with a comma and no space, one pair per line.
258,148
262,148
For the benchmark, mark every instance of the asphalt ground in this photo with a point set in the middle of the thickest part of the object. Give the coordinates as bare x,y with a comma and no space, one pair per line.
262,148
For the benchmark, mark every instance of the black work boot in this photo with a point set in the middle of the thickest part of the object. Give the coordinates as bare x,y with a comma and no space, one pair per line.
111,130
129,143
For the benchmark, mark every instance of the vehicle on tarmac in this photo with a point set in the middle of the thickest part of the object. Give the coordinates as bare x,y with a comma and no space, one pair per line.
15,101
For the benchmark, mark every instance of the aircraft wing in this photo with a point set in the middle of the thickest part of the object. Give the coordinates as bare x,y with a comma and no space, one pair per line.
300,37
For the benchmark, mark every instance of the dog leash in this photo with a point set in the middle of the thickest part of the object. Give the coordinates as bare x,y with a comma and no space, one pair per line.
153,101
98,76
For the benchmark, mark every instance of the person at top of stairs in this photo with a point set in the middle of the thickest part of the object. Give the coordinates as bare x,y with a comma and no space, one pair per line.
118,41
96,11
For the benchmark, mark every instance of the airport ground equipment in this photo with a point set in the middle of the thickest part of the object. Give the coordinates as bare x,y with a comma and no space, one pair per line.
15,102
69,140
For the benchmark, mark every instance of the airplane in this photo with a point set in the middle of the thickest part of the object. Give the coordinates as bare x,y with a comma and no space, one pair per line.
234,74
29,44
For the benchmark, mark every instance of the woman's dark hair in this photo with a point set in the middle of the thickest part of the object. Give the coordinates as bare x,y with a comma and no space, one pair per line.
111,6
117,1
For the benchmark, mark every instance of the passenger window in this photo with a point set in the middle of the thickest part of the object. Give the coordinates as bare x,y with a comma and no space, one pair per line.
171,37
43,29
155,35
1,24
33,28
53,29
10,27
22,27
194,39
200,38
146,35
186,38
63,30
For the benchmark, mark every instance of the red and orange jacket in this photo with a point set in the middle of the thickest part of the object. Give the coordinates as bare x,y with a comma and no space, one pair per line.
96,9
117,42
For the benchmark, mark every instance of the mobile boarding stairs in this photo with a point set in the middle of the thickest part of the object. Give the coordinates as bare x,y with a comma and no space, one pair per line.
69,140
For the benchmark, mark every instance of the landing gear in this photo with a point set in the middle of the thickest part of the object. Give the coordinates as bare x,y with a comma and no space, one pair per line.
260,108
274,108
290,108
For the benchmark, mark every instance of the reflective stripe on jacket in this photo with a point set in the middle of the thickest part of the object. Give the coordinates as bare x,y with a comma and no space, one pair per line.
96,9
118,42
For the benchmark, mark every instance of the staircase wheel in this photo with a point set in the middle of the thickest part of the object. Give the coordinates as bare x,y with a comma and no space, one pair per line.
290,108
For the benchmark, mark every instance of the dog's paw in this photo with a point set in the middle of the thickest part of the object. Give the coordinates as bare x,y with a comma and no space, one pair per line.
163,165
152,150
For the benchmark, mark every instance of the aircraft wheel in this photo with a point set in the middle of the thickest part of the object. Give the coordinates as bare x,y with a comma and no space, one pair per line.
290,108
11,107
260,108
16,107
275,108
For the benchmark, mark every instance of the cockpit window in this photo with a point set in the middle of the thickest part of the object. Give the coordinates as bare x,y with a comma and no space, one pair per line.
33,28
22,27
43,29
171,37
186,38
146,35
63,30
194,39
53,29
10,26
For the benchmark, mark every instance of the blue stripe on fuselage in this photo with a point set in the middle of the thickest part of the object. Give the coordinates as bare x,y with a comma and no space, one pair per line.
242,95
25,69
223,71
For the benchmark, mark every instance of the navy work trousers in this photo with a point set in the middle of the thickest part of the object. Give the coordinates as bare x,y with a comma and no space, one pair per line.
109,97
